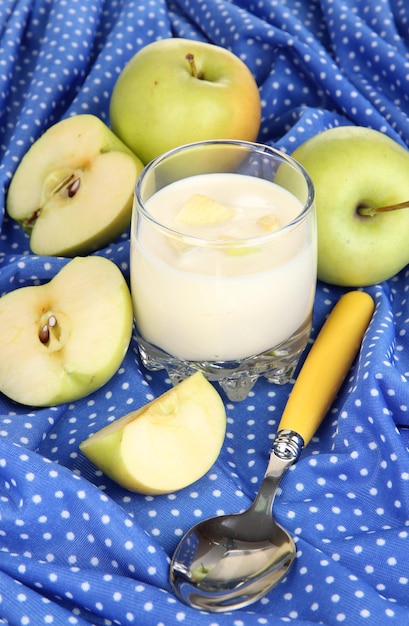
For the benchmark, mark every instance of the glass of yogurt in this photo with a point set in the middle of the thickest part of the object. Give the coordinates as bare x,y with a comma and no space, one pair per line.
223,263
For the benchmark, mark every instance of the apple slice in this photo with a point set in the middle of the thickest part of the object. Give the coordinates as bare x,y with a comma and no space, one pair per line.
269,222
200,210
167,444
63,340
73,190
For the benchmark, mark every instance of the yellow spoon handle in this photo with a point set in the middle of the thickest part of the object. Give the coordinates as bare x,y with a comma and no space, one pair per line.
327,364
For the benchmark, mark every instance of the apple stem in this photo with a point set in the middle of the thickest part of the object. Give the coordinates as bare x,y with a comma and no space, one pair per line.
371,211
191,60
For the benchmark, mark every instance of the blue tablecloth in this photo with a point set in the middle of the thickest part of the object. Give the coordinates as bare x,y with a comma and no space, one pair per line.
75,548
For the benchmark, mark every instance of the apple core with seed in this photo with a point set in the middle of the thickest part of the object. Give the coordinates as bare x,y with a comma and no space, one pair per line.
73,190
62,340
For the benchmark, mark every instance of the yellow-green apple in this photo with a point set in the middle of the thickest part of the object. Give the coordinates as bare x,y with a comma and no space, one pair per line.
64,339
73,190
359,175
177,91
165,445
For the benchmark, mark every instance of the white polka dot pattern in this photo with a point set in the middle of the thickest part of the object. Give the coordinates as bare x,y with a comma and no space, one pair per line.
74,548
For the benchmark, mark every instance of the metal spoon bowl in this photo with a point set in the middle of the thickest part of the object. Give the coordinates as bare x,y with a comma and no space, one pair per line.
232,560
229,562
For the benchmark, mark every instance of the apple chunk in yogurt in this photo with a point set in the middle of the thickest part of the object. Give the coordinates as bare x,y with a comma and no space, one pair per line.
224,270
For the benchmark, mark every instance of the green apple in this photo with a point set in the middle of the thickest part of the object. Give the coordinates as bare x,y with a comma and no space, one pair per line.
167,444
73,190
62,340
358,173
176,91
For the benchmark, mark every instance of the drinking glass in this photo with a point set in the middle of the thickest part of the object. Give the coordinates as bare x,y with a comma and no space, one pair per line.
223,263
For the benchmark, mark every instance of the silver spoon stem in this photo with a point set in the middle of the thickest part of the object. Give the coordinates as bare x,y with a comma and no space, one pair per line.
285,451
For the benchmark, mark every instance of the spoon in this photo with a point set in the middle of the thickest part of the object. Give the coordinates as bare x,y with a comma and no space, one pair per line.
230,561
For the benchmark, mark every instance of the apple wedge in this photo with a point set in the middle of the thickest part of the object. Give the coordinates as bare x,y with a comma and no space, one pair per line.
63,340
73,190
167,444
200,210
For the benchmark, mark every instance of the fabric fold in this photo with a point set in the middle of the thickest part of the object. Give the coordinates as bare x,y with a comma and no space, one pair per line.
75,548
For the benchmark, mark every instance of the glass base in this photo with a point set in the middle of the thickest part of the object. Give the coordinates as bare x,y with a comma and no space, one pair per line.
236,378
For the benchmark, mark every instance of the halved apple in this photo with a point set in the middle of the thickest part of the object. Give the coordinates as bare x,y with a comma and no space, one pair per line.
73,190
63,340
166,445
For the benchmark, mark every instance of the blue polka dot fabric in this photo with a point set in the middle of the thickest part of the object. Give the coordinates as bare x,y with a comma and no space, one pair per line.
77,549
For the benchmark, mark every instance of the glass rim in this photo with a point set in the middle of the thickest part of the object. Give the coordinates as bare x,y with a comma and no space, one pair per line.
261,148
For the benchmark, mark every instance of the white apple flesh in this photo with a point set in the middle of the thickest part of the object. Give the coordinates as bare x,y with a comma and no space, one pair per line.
73,190
63,340
167,444
176,91
354,169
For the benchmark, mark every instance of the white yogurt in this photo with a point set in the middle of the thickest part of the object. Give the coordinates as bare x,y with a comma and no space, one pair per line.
207,300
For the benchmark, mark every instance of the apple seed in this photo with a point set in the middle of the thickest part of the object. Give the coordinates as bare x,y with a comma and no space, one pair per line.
44,334
63,183
70,183
191,60
33,218
73,187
